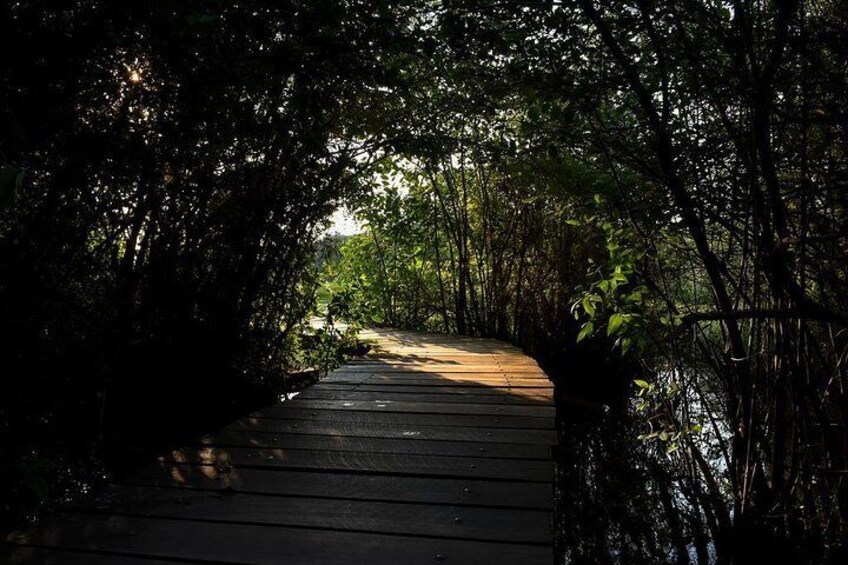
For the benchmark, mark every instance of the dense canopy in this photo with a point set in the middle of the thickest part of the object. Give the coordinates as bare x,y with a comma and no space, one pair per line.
649,196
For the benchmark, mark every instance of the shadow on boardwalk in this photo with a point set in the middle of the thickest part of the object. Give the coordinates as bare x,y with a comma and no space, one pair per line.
434,448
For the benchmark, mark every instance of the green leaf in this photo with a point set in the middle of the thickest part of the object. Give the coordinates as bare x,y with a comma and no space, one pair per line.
588,306
615,322
586,331
642,384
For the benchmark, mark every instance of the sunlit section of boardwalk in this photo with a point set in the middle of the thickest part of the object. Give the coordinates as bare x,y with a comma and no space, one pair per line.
432,449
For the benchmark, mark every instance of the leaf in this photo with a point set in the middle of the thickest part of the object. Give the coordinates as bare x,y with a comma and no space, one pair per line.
615,322
588,306
642,384
586,331
619,276
572,222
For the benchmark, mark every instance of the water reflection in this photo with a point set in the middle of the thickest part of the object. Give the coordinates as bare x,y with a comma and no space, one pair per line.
614,505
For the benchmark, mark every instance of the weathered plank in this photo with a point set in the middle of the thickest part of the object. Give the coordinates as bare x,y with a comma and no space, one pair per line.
404,431
402,445
425,408
430,380
385,463
16,554
423,490
442,368
539,394
400,376
407,419
458,522
263,545
384,396
440,373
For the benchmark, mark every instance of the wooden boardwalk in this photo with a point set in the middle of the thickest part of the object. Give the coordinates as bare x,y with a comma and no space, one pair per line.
432,449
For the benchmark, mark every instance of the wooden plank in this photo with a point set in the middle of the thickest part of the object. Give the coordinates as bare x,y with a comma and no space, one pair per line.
437,359
403,445
406,357
432,365
424,490
452,356
382,396
395,431
542,394
409,419
441,368
445,356
436,376
435,373
448,348
455,344
23,555
262,545
426,407
350,461
438,380
457,522
472,349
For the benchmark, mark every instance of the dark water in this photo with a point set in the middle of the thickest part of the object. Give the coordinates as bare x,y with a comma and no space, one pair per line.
609,504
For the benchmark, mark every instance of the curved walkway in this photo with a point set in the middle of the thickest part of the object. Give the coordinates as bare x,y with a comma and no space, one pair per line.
432,449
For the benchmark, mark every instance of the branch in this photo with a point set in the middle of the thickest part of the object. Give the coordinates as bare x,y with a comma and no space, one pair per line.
763,314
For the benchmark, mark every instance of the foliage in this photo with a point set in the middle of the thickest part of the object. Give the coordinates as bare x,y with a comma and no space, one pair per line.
662,182
712,260
165,169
